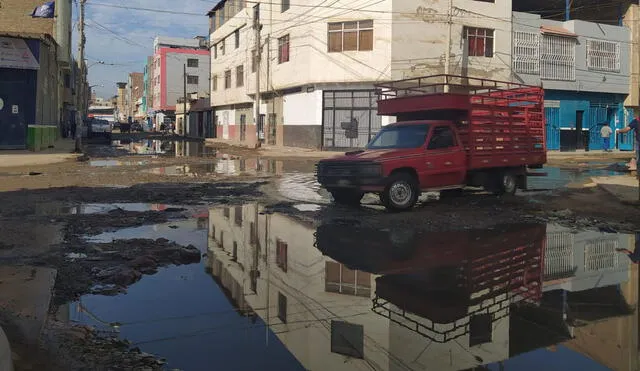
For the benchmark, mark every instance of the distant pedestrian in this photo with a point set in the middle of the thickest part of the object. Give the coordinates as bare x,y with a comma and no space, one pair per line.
605,133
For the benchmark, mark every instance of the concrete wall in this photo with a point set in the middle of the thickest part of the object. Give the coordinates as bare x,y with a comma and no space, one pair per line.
47,99
420,35
586,80
632,21
15,16
63,30
173,71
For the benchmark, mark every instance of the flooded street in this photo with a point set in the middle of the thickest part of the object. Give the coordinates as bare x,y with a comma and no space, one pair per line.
167,255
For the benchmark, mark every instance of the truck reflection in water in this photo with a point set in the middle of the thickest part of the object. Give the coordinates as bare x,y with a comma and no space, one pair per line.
341,297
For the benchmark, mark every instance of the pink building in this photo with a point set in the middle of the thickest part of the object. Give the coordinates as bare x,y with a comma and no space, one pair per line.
170,57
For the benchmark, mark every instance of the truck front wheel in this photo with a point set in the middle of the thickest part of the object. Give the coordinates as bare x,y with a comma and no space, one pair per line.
401,193
349,197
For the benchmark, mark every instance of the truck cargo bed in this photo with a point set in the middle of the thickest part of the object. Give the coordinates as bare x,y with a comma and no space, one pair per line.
501,124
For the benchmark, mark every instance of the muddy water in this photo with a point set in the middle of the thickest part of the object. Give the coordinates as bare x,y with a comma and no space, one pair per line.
276,293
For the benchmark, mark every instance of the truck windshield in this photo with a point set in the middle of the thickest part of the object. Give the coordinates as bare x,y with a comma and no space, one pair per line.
401,136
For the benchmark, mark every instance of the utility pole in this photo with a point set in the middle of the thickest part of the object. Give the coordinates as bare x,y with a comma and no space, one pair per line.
447,57
184,104
80,115
257,57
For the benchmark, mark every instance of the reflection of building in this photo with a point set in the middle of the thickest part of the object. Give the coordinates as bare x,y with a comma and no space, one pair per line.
452,315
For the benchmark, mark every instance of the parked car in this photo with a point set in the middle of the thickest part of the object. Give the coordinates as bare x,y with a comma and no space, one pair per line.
451,132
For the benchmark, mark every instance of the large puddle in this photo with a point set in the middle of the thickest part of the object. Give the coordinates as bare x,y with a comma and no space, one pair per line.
275,293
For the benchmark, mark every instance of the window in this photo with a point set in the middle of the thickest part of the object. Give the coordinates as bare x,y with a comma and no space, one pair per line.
442,138
603,55
236,35
342,280
226,212
479,42
283,49
191,62
282,308
212,22
234,252
214,82
240,76
526,52
557,58
350,36
238,215
347,339
215,51
192,80
253,233
480,329
222,46
282,254
284,5
256,13
254,61
227,79
401,136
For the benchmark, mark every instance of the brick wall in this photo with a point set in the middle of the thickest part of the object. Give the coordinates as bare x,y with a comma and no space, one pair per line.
15,16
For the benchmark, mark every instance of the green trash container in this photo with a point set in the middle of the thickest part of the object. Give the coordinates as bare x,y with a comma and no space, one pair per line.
31,138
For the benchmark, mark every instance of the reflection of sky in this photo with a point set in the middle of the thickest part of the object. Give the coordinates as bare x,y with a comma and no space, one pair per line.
563,359
181,314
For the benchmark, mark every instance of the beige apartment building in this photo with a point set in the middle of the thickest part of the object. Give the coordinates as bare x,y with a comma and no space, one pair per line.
320,61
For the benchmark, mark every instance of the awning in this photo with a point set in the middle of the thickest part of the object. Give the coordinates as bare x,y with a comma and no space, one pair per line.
557,31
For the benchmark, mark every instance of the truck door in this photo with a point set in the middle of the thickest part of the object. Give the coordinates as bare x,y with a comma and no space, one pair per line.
445,160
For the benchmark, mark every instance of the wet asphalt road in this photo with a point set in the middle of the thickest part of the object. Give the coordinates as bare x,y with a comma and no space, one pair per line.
299,283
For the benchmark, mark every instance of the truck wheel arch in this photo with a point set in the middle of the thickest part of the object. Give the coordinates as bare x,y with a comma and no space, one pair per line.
407,170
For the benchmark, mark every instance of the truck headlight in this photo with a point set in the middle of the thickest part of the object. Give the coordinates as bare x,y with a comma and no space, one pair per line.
370,170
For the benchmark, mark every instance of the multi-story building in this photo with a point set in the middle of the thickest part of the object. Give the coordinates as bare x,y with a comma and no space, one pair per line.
318,65
121,105
172,56
147,96
585,70
135,91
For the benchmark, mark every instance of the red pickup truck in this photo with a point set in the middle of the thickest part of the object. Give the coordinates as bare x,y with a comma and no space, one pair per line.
450,132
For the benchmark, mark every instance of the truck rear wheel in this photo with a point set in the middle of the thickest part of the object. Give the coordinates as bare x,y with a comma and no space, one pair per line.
349,197
401,193
504,183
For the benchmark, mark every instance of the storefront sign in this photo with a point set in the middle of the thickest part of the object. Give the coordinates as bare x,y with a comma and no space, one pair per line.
15,53
552,104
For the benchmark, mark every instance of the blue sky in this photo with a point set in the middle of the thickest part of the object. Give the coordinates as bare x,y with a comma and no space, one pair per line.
120,35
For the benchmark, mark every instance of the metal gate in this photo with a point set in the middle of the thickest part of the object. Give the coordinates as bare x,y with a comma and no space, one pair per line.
553,128
350,119
597,117
626,141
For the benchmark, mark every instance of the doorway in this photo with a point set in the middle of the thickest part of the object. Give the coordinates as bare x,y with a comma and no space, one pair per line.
243,127
580,142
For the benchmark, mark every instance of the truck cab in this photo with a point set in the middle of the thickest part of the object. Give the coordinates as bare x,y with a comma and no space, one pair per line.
443,141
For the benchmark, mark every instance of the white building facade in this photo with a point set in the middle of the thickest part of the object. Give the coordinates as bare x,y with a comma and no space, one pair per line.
320,61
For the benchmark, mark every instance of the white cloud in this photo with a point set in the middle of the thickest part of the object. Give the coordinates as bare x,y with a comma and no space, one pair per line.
128,37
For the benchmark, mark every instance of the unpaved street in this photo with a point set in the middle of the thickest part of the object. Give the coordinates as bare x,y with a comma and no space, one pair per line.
162,248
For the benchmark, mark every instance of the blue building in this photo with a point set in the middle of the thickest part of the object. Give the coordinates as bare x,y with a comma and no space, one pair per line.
28,86
585,70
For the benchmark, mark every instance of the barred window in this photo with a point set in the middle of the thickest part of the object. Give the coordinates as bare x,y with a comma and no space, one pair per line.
558,58
526,52
603,55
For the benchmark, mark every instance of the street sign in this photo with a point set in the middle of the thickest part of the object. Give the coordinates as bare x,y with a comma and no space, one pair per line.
350,128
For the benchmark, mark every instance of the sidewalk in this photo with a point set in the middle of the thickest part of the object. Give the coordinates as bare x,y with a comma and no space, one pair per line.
624,188
63,151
